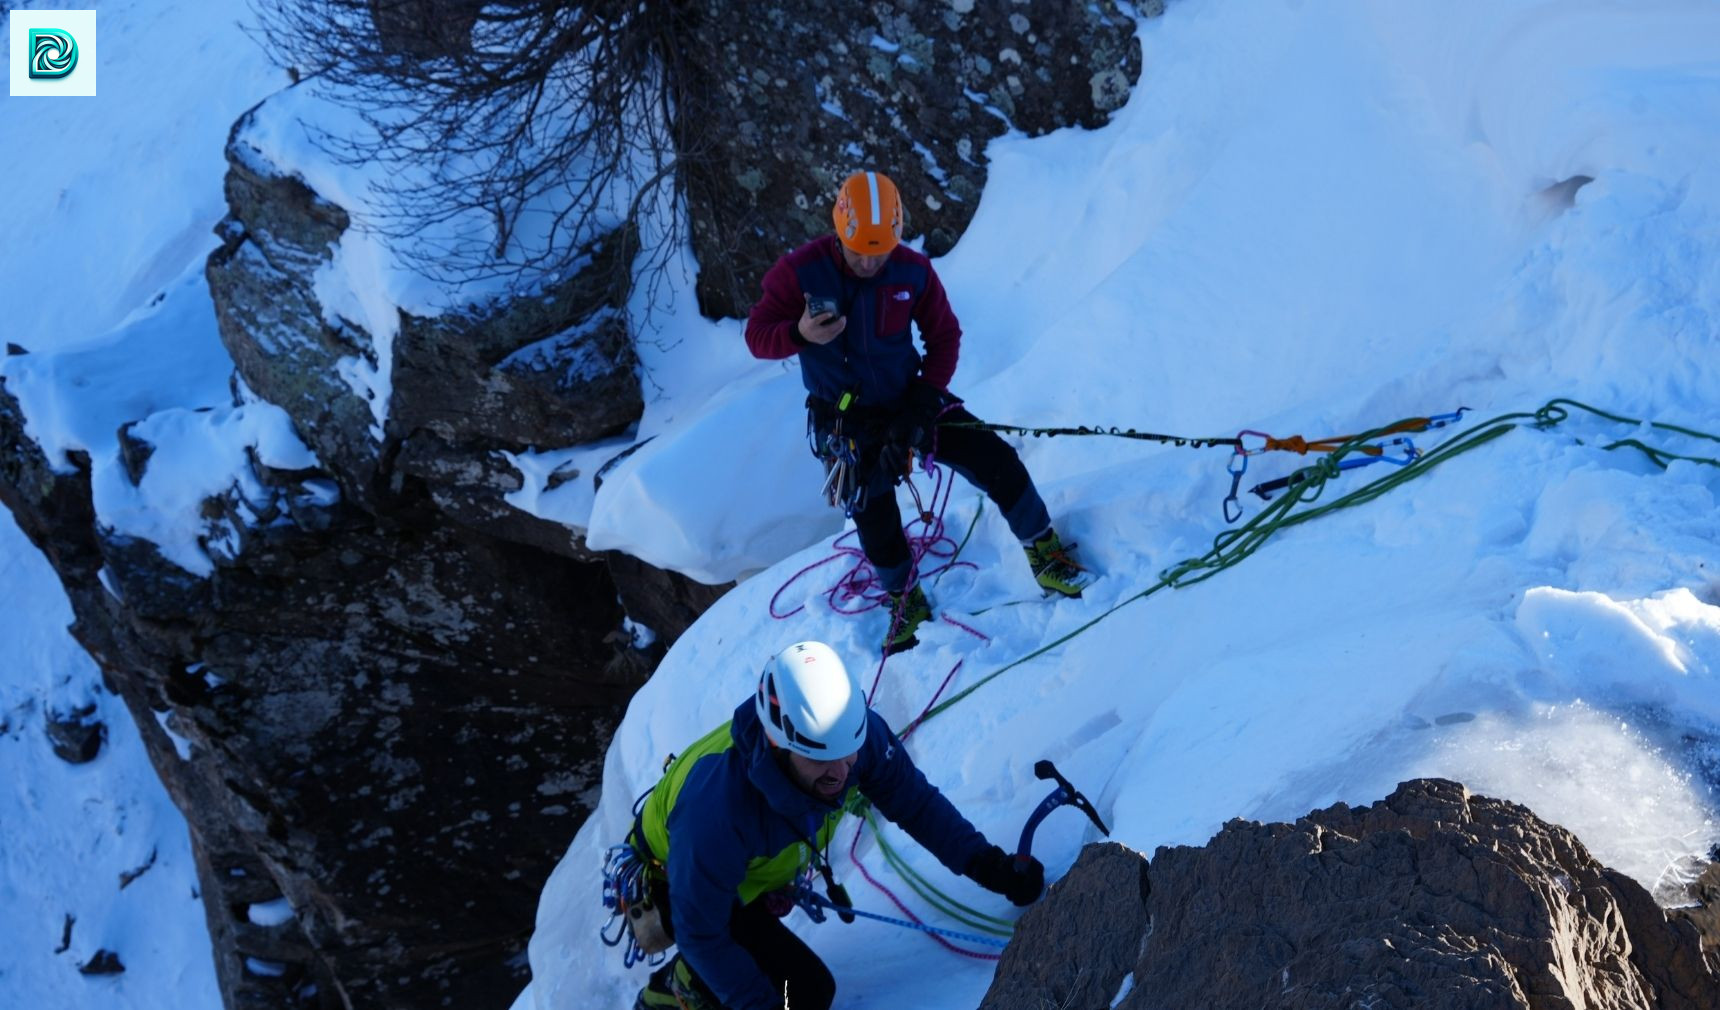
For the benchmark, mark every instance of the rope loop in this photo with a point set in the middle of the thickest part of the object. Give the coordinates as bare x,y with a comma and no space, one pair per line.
1551,414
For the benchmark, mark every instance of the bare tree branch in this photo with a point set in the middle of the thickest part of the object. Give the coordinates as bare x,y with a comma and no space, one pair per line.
508,136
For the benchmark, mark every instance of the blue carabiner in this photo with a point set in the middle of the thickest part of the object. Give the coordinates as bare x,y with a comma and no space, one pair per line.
1236,467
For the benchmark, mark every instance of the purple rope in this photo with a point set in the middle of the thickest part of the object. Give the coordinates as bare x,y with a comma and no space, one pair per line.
856,591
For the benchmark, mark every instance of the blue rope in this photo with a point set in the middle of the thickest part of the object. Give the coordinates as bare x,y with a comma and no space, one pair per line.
814,905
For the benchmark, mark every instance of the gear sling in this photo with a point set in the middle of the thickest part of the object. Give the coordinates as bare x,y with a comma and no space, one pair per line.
636,876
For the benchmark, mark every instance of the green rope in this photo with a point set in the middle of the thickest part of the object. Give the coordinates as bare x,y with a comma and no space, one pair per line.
963,545
1231,546
971,917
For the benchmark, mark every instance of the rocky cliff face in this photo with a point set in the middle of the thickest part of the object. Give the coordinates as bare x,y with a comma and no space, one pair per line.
394,722
396,690
786,98
392,692
1430,898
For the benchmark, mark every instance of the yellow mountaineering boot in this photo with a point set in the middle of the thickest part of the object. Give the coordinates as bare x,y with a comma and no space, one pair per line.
1054,568
672,987
908,611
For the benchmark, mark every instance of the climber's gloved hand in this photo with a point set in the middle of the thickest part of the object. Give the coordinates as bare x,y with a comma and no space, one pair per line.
895,456
910,430
995,870
920,409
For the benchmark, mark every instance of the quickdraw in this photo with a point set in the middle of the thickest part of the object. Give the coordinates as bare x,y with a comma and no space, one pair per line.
1409,454
840,455
634,922
1250,442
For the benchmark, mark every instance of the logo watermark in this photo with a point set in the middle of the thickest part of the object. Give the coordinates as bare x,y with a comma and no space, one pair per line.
53,54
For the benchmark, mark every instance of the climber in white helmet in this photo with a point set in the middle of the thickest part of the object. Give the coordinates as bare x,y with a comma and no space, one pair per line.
740,814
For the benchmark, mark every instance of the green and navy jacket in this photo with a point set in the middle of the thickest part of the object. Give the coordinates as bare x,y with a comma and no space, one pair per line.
728,825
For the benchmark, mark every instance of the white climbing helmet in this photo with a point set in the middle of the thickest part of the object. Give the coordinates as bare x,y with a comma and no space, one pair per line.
810,704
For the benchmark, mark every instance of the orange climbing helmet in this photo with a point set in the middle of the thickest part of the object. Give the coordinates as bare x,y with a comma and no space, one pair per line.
868,213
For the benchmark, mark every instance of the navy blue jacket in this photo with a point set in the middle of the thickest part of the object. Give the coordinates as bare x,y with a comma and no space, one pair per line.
735,810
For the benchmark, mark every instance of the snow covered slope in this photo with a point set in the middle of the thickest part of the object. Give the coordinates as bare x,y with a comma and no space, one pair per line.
1310,219
108,220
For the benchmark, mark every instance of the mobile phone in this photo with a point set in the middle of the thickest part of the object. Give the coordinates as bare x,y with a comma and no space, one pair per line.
817,306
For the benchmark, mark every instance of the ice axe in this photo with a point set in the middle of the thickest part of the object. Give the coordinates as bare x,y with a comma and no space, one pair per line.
1064,795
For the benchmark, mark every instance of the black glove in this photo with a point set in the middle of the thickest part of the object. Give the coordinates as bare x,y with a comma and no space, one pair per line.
910,429
920,409
894,457
995,870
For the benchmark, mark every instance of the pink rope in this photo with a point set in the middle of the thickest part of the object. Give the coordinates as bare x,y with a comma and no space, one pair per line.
854,846
857,591
935,696
975,632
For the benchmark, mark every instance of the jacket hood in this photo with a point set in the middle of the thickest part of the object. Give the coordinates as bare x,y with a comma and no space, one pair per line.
802,809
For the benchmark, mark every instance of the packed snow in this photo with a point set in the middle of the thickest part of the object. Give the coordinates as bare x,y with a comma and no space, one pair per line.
1310,219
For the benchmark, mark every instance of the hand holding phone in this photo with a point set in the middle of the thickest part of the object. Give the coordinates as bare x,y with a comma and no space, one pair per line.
821,323
818,306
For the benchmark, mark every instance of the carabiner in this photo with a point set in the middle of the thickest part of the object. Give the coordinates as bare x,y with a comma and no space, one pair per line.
1236,467
1242,437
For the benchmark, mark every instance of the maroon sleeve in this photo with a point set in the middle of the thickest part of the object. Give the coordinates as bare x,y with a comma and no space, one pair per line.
940,332
773,325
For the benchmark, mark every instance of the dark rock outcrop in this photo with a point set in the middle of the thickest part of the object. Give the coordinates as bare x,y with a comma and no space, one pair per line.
784,99
1431,898
1704,912
553,369
76,736
1074,947
394,723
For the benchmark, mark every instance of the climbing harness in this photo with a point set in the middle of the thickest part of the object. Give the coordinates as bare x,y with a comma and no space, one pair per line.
840,455
635,922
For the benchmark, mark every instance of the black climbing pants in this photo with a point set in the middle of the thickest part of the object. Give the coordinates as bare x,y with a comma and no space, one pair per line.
982,458
782,957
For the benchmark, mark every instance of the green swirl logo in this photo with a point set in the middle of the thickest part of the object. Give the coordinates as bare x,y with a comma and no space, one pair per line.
53,53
